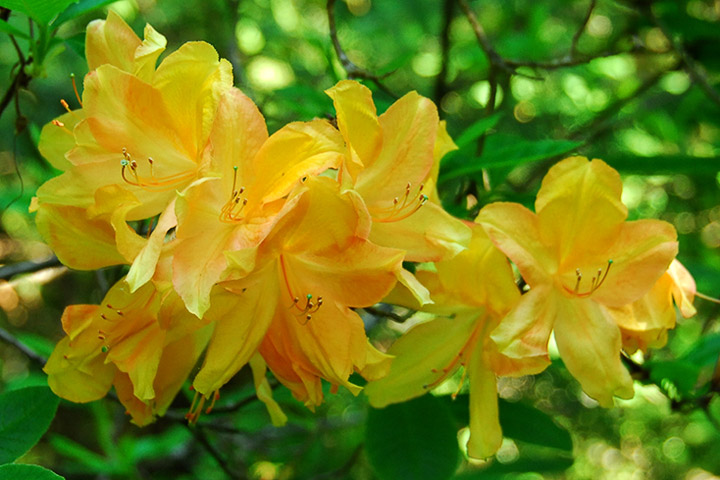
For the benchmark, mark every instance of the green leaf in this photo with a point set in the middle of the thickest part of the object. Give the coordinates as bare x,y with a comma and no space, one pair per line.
474,131
80,8
25,415
10,30
665,164
89,460
507,151
682,374
415,439
27,472
42,11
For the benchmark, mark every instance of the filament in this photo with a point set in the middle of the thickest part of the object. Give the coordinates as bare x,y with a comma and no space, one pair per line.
129,172
597,280
402,207
311,305
77,95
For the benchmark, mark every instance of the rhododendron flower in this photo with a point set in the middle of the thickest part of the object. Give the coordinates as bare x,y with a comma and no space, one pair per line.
295,306
222,220
581,259
144,343
645,322
141,128
472,291
390,162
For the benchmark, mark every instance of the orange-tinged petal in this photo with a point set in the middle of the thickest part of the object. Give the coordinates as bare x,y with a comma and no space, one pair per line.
111,41
589,343
428,235
579,209
140,411
79,242
422,358
112,203
57,138
525,331
191,81
640,256
485,432
409,128
241,319
357,121
684,288
515,231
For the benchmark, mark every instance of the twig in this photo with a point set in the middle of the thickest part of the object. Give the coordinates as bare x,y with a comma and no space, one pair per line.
199,435
27,351
352,70
694,69
388,314
29,266
441,79
581,29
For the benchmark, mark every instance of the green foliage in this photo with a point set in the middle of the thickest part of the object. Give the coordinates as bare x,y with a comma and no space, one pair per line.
26,472
26,415
42,11
415,439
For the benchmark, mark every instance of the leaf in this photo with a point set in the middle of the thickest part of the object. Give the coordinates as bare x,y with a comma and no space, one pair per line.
705,351
474,131
415,439
10,30
42,11
665,164
89,460
25,415
683,375
27,472
80,8
506,151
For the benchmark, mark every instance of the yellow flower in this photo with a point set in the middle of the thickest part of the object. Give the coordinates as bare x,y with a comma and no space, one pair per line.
471,293
645,322
581,259
222,219
140,135
143,343
295,306
391,162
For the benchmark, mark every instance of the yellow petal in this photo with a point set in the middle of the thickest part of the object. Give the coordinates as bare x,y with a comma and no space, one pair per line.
357,121
140,411
485,432
525,331
112,203
146,55
111,41
410,291
684,288
409,128
514,230
56,140
297,150
589,343
422,358
579,209
444,144
466,274
241,320
78,242
428,235
640,256
191,81
264,391
377,364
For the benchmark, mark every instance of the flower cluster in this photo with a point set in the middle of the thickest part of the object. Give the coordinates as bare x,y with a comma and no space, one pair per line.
252,249
246,247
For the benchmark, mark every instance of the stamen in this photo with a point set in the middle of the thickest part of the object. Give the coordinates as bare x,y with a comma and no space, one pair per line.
215,398
150,183
401,208
310,307
77,95
456,362
595,282
231,212
60,124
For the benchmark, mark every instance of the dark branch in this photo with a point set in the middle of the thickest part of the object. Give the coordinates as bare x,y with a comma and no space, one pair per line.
441,79
27,351
199,435
9,271
581,29
352,70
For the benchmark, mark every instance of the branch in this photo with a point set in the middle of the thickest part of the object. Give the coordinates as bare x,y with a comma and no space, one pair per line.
694,69
199,435
581,29
27,351
441,79
8,271
352,70
378,312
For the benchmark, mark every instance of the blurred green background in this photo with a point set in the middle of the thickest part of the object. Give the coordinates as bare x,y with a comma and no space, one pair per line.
632,99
